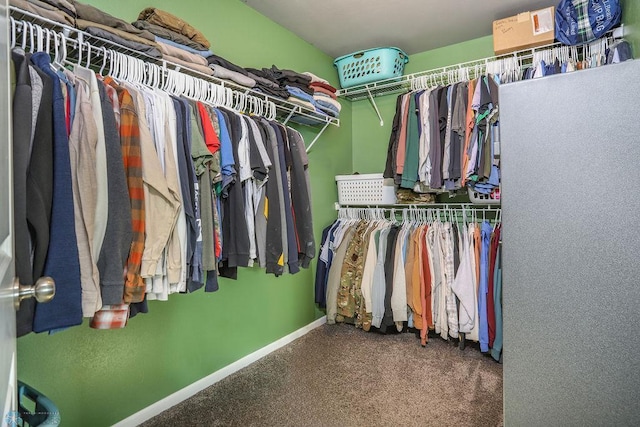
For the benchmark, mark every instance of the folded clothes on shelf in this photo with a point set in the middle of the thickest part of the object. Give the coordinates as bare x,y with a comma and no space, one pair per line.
187,64
182,54
167,20
146,49
314,78
301,102
276,92
45,10
326,86
203,53
327,105
168,34
90,13
320,90
227,74
218,60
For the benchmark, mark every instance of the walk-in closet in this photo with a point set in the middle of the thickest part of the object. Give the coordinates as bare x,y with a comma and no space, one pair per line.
265,213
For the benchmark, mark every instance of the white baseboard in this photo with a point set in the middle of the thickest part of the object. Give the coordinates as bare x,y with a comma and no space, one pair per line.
183,394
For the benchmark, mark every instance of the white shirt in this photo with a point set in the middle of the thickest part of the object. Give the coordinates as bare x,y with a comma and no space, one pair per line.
102,187
399,293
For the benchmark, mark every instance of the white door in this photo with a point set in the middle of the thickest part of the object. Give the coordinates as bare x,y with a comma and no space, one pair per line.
7,310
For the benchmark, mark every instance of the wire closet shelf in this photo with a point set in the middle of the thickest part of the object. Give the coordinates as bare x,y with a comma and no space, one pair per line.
473,69
90,49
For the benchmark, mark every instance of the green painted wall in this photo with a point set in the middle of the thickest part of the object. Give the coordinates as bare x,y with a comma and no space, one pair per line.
98,378
631,18
371,138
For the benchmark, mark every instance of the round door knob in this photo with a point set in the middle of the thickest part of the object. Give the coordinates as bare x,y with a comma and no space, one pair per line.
43,291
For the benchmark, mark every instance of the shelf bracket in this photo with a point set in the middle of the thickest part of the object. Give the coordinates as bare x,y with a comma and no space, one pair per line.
327,123
375,107
290,115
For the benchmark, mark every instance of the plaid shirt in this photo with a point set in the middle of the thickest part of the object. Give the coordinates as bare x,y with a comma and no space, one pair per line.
134,288
110,317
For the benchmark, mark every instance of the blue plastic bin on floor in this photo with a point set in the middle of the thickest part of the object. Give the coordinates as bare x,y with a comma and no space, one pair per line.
44,413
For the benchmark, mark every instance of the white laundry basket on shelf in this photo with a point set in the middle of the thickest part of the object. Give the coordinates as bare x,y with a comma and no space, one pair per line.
365,189
484,199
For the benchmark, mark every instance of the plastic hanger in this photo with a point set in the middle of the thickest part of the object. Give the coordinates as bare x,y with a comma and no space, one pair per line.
32,38
104,60
274,110
88,63
167,80
13,34
148,75
211,94
195,88
217,94
140,69
56,49
80,48
202,90
117,66
126,68
159,76
112,61
26,30
60,51
48,35
37,32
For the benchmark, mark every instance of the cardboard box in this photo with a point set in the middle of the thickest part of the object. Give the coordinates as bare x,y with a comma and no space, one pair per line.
525,30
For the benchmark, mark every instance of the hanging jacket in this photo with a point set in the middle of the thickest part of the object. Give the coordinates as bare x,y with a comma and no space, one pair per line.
62,258
112,258
301,199
22,111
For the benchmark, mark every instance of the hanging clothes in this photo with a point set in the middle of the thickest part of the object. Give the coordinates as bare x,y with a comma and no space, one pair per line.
431,272
131,193
445,138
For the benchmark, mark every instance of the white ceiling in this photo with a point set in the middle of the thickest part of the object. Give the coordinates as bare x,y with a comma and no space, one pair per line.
340,27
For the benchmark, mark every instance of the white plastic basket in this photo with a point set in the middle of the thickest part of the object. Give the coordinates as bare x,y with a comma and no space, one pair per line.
366,189
484,199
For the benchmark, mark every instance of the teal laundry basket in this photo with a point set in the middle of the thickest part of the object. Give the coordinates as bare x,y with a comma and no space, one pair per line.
35,408
370,65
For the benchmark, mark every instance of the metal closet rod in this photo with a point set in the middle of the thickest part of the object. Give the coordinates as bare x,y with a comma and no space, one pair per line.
421,206
442,211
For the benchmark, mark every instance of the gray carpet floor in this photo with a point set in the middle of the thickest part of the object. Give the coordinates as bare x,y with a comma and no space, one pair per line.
337,375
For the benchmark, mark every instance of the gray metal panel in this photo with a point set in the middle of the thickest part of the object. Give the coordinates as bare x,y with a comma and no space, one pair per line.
571,248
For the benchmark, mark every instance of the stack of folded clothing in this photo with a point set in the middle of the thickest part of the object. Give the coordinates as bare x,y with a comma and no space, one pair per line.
227,70
62,11
300,97
178,41
267,83
297,85
101,24
324,95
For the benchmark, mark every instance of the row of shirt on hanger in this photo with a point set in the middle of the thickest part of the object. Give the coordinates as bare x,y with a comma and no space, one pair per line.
565,62
435,275
446,138
126,194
